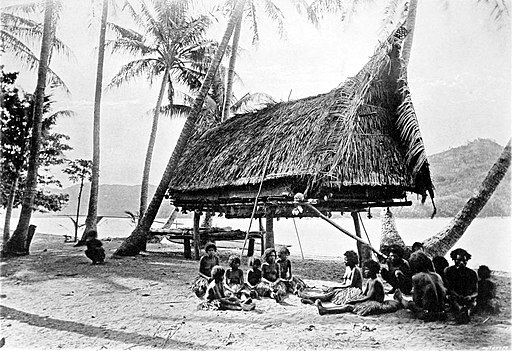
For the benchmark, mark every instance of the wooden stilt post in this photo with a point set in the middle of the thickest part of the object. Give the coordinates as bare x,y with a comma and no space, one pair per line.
269,228
363,251
262,240
197,237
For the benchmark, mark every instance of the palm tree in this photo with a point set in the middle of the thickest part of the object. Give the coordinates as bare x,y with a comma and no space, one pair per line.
17,244
172,46
442,242
137,239
92,212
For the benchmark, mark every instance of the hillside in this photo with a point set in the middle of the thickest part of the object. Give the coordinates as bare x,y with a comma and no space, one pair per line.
456,174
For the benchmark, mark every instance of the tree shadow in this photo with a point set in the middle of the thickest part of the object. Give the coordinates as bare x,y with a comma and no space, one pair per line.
88,330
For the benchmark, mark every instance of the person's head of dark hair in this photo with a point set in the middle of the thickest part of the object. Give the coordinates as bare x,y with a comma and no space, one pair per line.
209,246
461,252
233,259
416,246
484,272
255,262
420,262
268,252
91,234
352,258
284,250
440,263
218,272
373,266
397,250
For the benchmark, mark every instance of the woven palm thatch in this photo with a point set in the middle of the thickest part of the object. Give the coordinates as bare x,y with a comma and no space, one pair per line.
361,136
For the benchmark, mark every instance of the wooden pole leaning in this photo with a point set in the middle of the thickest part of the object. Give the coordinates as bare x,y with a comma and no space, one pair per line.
327,219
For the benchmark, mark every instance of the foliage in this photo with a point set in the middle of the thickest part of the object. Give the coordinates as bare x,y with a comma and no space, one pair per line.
78,170
17,110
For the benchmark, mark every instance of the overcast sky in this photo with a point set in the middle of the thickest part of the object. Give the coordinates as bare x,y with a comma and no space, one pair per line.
459,74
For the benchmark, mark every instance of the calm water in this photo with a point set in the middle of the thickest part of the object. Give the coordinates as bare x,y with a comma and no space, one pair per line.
487,239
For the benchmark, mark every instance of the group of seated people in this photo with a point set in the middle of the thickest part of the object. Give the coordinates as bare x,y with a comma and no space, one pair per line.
432,283
227,289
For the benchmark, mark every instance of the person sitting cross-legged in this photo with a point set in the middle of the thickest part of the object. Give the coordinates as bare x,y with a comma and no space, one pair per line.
462,285
428,290
397,273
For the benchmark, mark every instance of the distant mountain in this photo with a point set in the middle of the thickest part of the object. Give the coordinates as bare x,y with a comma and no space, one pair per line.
456,174
113,200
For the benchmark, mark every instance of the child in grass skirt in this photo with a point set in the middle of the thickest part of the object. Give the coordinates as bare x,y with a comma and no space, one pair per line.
293,283
206,263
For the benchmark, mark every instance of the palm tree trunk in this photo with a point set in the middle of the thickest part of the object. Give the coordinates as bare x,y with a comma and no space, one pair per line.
92,212
131,246
151,145
8,211
78,208
410,24
17,243
442,242
231,70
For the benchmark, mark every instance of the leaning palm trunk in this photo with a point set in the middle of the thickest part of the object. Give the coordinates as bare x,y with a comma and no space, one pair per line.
231,70
17,244
442,242
92,213
410,24
144,188
133,244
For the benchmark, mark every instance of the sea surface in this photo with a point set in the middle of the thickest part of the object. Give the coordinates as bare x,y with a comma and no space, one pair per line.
489,240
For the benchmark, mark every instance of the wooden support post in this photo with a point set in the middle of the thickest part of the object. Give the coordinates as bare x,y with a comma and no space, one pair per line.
269,228
187,248
363,251
250,249
197,236
262,240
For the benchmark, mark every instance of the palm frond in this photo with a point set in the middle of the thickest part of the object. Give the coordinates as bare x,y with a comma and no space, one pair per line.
125,33
302,6
276,15
147,68
174,111
128,46
251,13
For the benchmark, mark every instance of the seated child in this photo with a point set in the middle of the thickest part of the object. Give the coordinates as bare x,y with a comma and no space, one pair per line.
486,300
271,284
234,278
206,263
370,302
428,290
397,273
216,297
254,277
95,252
293,283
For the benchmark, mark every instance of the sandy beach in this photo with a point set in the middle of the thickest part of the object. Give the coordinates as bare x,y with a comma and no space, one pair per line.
55,299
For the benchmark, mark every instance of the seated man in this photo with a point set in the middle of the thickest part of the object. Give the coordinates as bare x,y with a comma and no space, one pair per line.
397,273
428,290
462,285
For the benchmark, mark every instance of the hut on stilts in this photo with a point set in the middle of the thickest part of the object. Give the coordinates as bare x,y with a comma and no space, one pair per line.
348,150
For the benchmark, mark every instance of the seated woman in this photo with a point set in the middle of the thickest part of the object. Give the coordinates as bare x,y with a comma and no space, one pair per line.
370,302
351,284
271,285
216,297
428,290
440,264
293,283
486,300
206,263
397,274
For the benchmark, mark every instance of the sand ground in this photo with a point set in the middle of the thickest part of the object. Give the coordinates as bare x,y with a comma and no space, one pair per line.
55,299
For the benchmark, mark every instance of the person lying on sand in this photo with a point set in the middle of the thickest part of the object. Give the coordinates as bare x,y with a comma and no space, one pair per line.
271,284
428,290
293,283
370,302
351,284
206,263
397,274
218,299
95,252
462,285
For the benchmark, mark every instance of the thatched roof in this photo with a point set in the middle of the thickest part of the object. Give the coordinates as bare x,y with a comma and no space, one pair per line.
360,140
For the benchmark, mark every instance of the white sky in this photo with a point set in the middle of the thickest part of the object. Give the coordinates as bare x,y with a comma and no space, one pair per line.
459,74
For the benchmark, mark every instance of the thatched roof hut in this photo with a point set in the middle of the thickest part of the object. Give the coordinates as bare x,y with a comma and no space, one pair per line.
355,147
